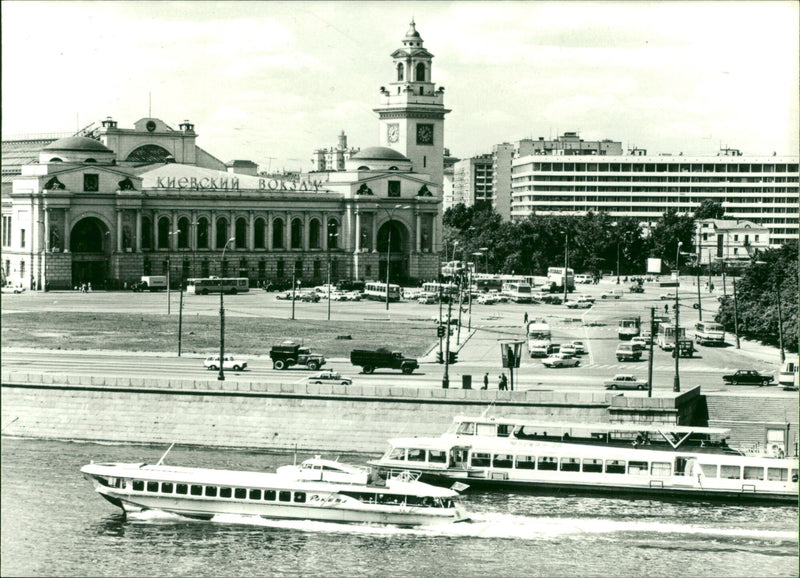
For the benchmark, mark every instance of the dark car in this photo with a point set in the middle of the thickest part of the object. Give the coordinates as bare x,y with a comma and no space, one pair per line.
748,377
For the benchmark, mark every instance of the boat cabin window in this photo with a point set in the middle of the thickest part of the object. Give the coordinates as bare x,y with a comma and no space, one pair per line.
709,470
777,474
225,492
269,495
181,489
526,462
152,486
615,466
662,469
138,485
196,490
466,428
570,464
753,473
397,454
285,496
503,461
415,455
794,476
480,460
437,456
592,466
547,463
730,472
637,468
240,493
166,487
255,494
211,491
299,497
504,430
487,430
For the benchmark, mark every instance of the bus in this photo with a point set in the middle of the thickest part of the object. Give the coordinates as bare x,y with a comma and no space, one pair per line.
484,282
206,285
518,292
666,336
448,290
376,291
707,333
629,327
787,377
538,335
556,275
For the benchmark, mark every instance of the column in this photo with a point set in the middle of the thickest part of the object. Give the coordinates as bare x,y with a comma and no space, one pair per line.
358,231
374,231
47,230
325,232
173,228
138,230
251,234
213,226
305,232
268,220
419,234
67,230
193,231
119,231
287,231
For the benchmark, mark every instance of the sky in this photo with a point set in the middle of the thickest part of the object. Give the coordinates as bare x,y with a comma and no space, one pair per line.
273,81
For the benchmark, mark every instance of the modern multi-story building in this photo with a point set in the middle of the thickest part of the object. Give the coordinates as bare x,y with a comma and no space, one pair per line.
333,158
729,240
762,190
132,202
472,182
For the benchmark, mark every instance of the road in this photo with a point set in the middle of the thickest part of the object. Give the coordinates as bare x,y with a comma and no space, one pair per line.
478,349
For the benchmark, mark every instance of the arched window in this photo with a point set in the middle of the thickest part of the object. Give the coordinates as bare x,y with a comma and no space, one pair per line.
163,233
400,70
222,232
56,160
277,234
241,232
183,233
90,160
297,234
260,234
314,234
363,168
202,233
420,72
333,234
147,233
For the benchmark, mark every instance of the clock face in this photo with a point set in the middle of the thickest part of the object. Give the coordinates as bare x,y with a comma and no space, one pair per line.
393,132
424,134
151,126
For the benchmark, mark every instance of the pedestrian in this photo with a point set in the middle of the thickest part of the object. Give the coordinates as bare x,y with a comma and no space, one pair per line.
526,318
486,381
666,308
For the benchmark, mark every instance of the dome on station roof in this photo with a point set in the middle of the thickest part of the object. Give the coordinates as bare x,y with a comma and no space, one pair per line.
412,30
77,144
379,154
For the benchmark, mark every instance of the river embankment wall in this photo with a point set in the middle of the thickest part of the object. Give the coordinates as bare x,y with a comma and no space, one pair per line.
287,416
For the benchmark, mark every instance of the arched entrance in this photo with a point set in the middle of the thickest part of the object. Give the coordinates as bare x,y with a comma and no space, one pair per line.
393,247
90,245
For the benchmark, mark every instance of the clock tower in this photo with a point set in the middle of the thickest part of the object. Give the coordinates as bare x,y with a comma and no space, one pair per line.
412,110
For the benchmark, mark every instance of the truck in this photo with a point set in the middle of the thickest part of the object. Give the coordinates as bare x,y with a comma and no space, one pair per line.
288,354
370,360
538,335
627,352
150,283
629,327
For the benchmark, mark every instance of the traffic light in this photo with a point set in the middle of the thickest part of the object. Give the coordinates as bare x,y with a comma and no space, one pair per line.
439,357
440,331
450,331
453,357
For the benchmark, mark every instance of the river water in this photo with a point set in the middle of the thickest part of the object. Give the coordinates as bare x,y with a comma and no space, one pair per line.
53,523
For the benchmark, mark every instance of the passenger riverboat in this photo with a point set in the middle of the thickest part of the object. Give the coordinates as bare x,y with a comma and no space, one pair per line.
623,459
317,489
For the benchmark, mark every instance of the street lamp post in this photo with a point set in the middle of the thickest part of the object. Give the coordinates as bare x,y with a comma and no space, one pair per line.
169,267
390,214
485,251
615,225
676,386
566,263
221,376
330,236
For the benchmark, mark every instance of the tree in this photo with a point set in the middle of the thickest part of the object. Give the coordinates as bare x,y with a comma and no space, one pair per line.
671,229
709,209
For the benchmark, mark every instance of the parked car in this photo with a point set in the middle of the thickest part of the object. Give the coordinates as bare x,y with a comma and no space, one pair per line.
627,352
426,299
551,299
748,377
330,376
625,381
10,289
310,297
579,304
561,360
613,294
640,343
285,296
667,296
568,349
636,288
580,347
487,299
231,363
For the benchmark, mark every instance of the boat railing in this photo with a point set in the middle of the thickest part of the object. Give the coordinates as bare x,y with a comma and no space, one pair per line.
403,476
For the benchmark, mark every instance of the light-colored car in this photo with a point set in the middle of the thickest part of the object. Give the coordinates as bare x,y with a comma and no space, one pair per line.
17,289
561,360
667,296
640,342
625,381
487,299
568,349
580,347
231,363
330,376
426,299
579,304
